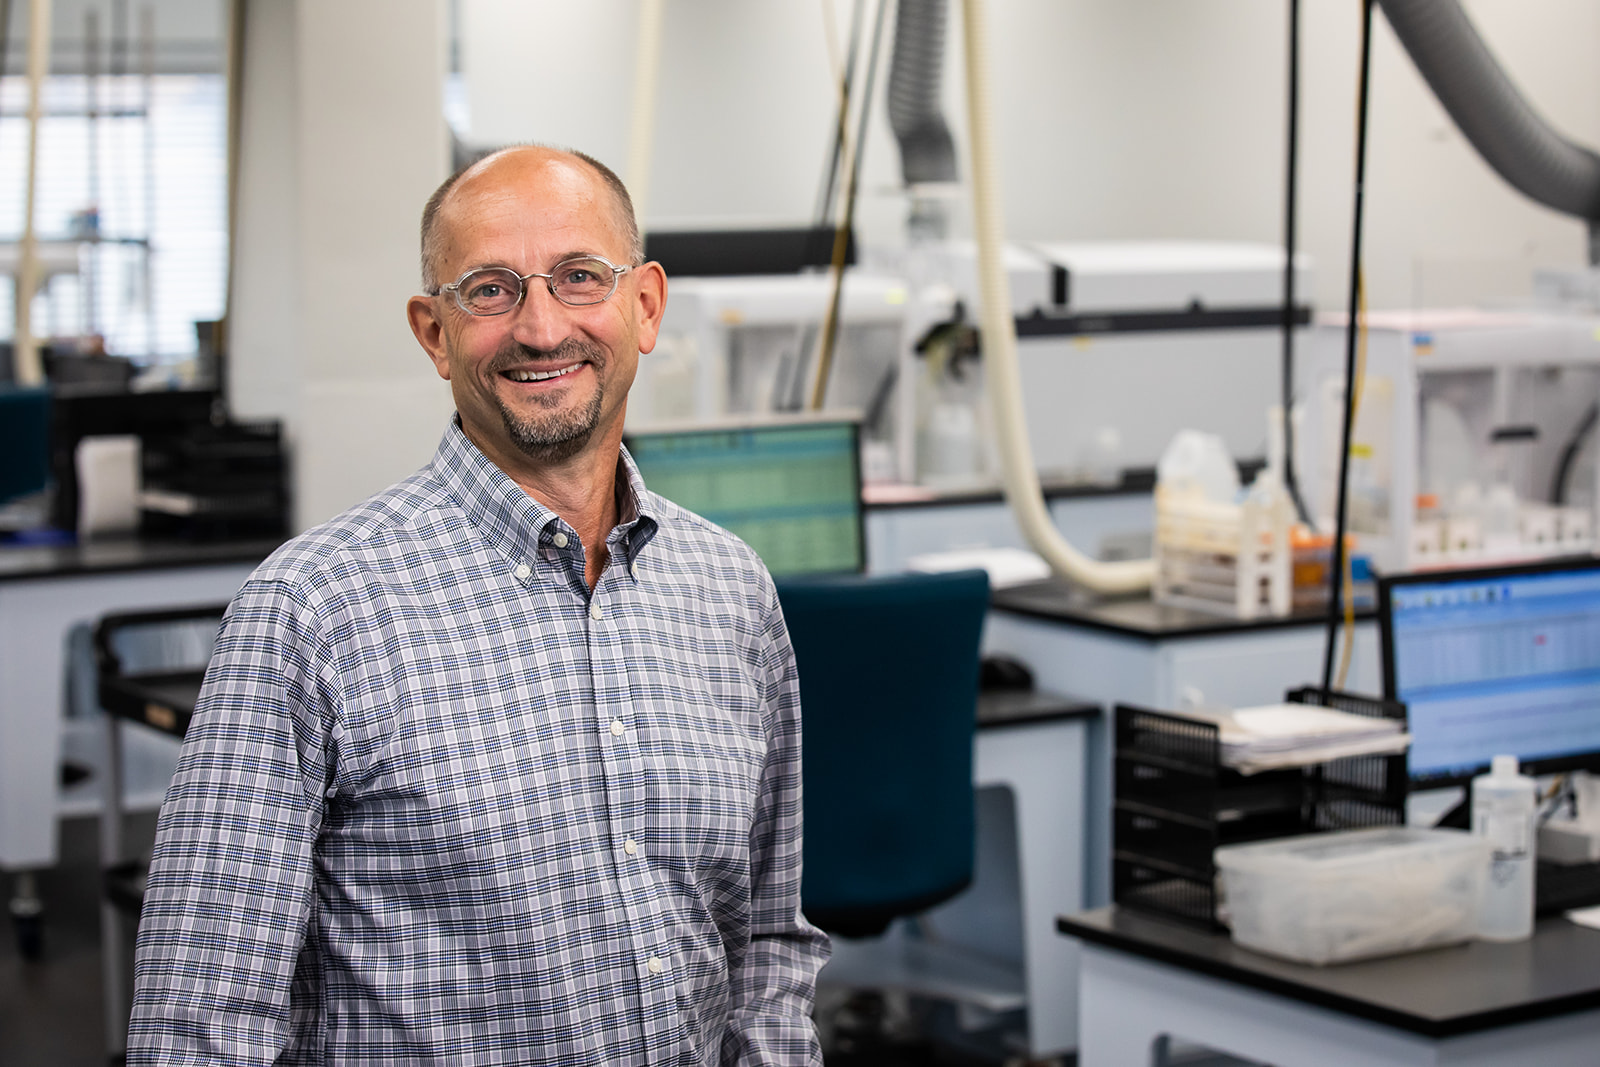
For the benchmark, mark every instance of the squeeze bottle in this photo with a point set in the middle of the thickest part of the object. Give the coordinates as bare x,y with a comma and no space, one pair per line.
1503,813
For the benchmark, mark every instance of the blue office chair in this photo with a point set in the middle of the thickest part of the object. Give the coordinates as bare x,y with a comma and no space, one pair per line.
888,692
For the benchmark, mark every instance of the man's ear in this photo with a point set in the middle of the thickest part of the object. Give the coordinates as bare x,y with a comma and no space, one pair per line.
651,302
423,314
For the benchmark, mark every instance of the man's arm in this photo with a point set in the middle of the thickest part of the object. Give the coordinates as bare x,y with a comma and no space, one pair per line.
774,982
229,895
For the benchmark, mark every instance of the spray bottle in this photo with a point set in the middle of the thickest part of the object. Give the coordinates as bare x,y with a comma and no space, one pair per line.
1503,805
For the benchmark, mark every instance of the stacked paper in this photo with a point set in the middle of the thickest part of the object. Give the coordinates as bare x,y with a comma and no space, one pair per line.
1294,735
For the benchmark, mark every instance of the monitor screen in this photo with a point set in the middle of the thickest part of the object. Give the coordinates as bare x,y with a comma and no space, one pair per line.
1496,660
790,488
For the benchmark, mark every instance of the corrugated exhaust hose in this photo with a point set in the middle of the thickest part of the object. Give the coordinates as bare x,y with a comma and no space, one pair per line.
1492,113
916,72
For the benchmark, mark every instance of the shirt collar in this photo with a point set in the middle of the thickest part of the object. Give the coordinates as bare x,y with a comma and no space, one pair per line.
514,522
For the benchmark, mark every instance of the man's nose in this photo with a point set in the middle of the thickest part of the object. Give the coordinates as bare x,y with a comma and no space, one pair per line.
540,320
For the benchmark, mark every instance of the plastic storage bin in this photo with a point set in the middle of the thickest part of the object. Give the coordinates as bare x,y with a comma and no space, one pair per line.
1330,898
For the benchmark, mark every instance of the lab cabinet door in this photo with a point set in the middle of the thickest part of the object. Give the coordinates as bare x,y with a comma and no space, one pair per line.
1258,667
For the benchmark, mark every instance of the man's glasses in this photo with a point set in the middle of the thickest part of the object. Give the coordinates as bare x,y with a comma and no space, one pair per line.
496,290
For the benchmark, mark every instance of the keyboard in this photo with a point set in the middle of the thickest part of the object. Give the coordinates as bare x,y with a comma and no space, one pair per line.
1558,888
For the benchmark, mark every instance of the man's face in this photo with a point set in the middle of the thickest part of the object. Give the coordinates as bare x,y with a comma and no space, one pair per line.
545,382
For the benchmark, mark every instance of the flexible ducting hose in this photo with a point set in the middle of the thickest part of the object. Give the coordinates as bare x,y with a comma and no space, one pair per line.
927,152
1003,378
1492,114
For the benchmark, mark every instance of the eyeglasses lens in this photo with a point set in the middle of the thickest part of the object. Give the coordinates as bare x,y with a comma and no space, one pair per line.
583,281
493,291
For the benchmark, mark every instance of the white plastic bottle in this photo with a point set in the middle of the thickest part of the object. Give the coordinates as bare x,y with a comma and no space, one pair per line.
1503,804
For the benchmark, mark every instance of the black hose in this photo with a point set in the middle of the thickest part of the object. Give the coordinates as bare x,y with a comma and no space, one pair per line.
1291,184
927,152
1336,580
1492,114
1569,454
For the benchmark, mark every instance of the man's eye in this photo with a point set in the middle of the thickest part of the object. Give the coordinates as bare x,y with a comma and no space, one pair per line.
486,291
578,276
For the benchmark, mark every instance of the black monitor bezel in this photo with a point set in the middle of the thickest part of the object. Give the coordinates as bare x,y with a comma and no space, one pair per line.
776,422
1386,586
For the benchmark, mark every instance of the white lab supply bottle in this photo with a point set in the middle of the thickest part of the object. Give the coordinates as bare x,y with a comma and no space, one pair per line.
1503,803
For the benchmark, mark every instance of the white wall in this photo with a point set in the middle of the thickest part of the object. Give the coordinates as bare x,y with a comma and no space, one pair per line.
343,140
1115,119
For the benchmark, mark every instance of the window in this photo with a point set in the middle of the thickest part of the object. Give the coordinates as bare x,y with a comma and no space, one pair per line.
131,190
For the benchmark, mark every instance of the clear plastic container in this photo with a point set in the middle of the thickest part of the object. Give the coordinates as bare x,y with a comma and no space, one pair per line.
1334,897
1503,806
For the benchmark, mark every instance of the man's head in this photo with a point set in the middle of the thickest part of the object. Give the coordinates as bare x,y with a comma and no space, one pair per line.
545,381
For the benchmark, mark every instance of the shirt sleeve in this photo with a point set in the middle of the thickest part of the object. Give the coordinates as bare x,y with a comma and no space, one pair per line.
774,981
227,908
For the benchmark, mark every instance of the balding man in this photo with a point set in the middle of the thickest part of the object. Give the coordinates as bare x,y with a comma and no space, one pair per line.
503,765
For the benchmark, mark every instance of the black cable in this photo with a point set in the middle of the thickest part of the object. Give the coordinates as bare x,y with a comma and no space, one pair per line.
1336,580
1291,188
830,177
1569,454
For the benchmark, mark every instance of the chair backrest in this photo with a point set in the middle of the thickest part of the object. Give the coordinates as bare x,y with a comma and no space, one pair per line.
888,691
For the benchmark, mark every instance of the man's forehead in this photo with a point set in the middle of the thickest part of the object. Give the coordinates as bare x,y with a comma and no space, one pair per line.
520,181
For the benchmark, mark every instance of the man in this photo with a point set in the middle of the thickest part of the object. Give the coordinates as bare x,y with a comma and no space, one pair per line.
501,766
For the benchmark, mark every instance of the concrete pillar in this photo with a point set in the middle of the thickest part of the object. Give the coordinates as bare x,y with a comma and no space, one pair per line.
342,139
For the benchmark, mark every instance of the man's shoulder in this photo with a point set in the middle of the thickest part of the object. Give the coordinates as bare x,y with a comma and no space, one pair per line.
408,511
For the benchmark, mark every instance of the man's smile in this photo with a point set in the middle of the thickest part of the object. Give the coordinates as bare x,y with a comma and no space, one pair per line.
525,375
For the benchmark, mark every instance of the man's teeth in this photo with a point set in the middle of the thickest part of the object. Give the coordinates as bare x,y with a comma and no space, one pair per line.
539,375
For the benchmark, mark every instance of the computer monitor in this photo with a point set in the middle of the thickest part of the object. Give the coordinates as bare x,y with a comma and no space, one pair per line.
1495,660
790,487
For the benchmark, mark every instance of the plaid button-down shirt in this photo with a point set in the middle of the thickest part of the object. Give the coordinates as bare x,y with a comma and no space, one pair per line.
442,805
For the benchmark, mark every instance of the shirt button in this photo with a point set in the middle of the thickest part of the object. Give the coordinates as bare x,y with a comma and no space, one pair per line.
617,729
595,612
655,965
630,846
559,540
522,571
633,569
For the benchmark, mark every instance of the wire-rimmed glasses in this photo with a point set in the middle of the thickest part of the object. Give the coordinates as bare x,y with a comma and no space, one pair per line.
580,281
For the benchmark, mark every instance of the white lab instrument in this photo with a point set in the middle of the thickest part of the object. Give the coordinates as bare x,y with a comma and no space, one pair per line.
1465,448
1574,836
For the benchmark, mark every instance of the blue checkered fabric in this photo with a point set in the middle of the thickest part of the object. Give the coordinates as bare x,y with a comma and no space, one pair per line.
442,805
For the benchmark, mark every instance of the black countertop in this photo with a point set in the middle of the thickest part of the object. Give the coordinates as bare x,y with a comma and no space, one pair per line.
21,562
1438,993
1016,707
1055,600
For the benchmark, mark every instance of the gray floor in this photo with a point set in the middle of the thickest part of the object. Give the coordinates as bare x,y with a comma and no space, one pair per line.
50,1009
